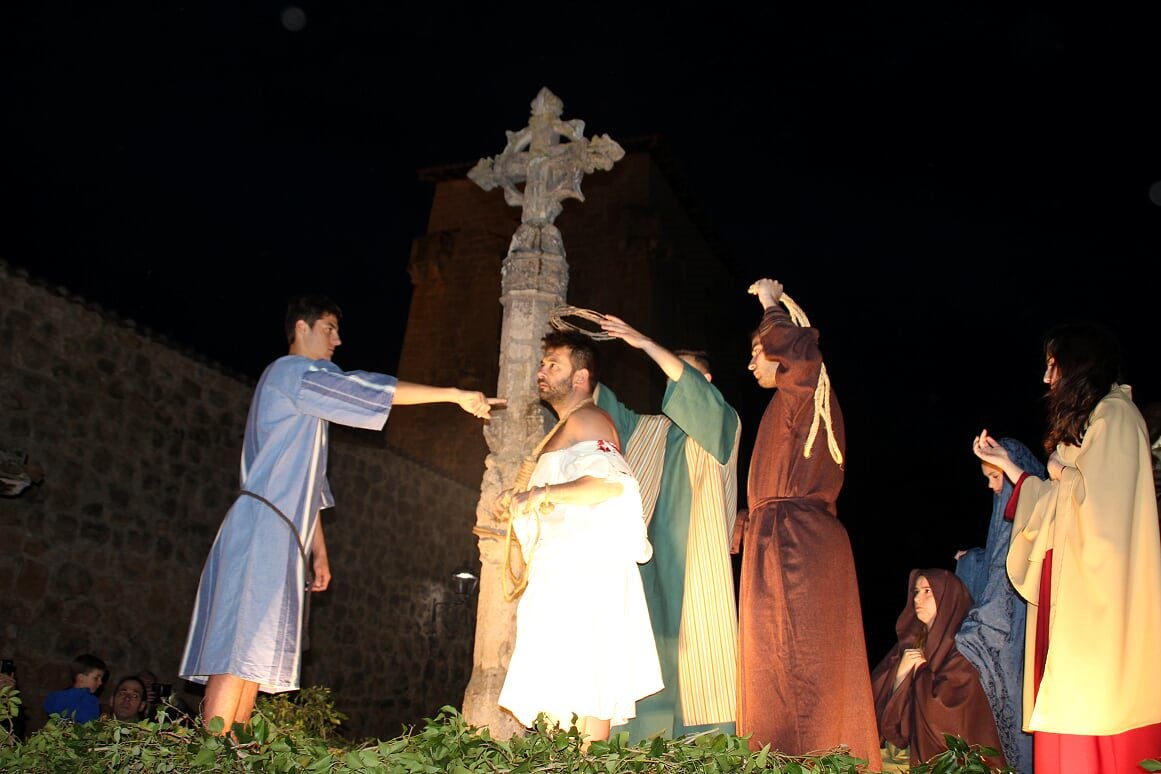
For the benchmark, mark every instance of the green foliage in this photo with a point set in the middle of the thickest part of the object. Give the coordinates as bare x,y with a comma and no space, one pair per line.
309,710
300,734
9,709
960,757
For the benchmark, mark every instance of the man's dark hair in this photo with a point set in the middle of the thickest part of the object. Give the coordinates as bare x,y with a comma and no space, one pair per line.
582,353
700,356
85,663
308,308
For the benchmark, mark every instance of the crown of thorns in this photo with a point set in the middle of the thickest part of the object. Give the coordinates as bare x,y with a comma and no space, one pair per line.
556,318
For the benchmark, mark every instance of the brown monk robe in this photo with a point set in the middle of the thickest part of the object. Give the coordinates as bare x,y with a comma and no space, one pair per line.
943,694
803,681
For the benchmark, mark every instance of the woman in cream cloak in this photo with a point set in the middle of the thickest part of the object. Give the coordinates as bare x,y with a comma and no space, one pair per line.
1086,554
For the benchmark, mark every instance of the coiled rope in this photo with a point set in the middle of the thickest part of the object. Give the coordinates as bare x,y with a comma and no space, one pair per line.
821,392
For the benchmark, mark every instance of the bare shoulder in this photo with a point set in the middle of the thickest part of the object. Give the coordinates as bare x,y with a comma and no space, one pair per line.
590,424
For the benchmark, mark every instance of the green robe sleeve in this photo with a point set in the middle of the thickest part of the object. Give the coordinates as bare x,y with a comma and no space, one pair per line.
696,406
624,418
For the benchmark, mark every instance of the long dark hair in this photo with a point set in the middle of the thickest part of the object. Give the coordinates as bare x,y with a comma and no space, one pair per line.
1088,363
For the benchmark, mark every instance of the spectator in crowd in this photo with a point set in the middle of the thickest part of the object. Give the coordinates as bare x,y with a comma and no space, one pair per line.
129,700
148,678
79,703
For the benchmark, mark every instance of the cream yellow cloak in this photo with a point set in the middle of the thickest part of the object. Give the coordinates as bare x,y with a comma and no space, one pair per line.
1103,670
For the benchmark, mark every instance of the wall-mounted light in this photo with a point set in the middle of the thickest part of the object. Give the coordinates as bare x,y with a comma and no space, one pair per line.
465,582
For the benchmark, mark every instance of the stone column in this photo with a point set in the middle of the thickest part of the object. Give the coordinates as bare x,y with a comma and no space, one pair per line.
534,280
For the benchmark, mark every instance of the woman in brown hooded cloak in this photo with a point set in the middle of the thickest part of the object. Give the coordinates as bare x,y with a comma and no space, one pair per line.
924,688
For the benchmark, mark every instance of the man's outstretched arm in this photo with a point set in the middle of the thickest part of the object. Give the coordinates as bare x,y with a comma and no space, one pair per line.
670,363
475,403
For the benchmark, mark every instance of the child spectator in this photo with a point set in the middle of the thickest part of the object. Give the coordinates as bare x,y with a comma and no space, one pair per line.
79,703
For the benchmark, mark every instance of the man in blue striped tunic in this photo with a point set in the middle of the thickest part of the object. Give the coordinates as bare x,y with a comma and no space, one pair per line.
246,629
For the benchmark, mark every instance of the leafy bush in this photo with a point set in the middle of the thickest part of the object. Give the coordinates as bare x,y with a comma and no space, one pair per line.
309,710
9,709
299,733
961,757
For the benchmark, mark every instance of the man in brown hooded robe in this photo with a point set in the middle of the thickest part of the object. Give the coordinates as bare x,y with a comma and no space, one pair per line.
803,683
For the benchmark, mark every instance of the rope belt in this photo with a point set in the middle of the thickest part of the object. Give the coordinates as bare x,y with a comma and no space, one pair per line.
762,503
307,570
743,520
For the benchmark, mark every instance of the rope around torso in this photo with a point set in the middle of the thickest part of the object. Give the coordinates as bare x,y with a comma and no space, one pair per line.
523,480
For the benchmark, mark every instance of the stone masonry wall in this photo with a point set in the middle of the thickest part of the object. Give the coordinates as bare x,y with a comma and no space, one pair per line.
139,442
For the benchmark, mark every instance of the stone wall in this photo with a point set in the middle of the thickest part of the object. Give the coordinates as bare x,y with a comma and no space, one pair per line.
139,442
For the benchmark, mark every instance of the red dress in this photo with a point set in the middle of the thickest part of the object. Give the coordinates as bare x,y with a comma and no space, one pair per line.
1079,753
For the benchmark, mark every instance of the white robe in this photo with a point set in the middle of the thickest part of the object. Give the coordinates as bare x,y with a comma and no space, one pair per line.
584,643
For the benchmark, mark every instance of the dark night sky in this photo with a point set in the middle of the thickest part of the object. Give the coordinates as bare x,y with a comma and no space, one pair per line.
935,184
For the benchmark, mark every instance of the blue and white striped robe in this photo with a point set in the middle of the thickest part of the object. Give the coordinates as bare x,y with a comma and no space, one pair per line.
247,619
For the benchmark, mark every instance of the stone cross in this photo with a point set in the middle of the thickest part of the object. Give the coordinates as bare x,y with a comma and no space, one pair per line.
534,280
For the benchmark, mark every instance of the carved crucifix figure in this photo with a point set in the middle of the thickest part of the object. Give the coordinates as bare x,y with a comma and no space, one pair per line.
551,171
550,157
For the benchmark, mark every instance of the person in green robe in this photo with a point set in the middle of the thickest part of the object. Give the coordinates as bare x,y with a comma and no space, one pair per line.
685,460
